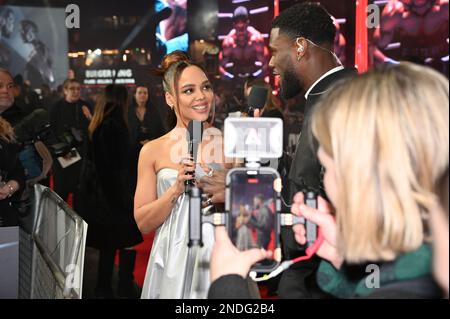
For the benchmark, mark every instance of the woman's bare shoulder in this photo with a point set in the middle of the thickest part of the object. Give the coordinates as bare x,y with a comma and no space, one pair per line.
156,144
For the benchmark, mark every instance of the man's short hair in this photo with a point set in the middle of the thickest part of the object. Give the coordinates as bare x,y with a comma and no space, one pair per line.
240,14
7,72
309,20
67,82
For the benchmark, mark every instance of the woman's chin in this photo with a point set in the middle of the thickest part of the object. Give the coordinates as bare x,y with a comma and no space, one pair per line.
202,117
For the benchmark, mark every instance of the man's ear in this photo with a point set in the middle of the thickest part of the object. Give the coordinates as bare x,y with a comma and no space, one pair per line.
170,100
301,46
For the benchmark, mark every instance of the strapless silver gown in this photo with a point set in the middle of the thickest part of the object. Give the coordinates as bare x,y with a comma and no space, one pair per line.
174,271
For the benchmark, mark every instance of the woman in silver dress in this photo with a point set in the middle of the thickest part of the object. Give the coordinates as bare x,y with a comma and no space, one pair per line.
174,270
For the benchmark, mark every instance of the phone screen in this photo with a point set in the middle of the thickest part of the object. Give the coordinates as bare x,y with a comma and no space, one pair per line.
253,213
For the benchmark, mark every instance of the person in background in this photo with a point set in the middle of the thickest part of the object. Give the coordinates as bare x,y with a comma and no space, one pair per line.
12,177
145,124
25,97
69,119
8,108
110,149
33,153
47,97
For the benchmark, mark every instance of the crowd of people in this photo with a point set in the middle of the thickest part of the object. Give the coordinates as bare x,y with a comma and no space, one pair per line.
375,147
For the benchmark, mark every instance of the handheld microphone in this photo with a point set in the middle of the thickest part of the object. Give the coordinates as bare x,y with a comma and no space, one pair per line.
257,99
194,137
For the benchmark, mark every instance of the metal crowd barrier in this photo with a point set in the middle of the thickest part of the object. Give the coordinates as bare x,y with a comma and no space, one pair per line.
58,247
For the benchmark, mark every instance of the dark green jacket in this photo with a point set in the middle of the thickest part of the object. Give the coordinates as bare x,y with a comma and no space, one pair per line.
409,276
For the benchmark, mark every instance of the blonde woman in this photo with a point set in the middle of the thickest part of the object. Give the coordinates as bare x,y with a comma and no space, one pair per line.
12,177
384,143
439,229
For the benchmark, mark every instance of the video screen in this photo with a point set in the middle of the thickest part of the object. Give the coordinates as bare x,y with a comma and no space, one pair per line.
253,211
31,46
412,30
171,32
243,31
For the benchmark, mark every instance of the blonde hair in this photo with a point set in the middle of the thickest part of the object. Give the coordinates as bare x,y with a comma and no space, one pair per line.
6,131
114,97
387,132
98,116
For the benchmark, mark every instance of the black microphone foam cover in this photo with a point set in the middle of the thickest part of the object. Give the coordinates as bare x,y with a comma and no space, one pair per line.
258,97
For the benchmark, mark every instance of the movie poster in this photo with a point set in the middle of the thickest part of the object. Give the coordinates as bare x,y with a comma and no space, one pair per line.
34,43
171,31
243,32
412,30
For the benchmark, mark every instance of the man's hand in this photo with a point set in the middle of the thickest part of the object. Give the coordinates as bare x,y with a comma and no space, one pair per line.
226,259
69,156
4,191
8,189
214,186
86,112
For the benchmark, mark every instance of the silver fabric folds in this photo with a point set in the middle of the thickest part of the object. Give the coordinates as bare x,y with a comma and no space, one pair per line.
174,271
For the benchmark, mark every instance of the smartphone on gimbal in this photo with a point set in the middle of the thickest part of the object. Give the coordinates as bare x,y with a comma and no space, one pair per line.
253,204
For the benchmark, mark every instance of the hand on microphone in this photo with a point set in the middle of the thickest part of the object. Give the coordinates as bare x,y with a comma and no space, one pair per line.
214,186
185,173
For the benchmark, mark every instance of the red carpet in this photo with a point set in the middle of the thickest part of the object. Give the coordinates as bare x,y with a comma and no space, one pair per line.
142,256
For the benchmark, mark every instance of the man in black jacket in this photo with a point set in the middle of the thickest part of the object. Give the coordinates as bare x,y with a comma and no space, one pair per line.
69,120
301,42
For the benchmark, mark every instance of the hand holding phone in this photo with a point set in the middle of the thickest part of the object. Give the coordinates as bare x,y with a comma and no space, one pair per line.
252,203
226,259
323,218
